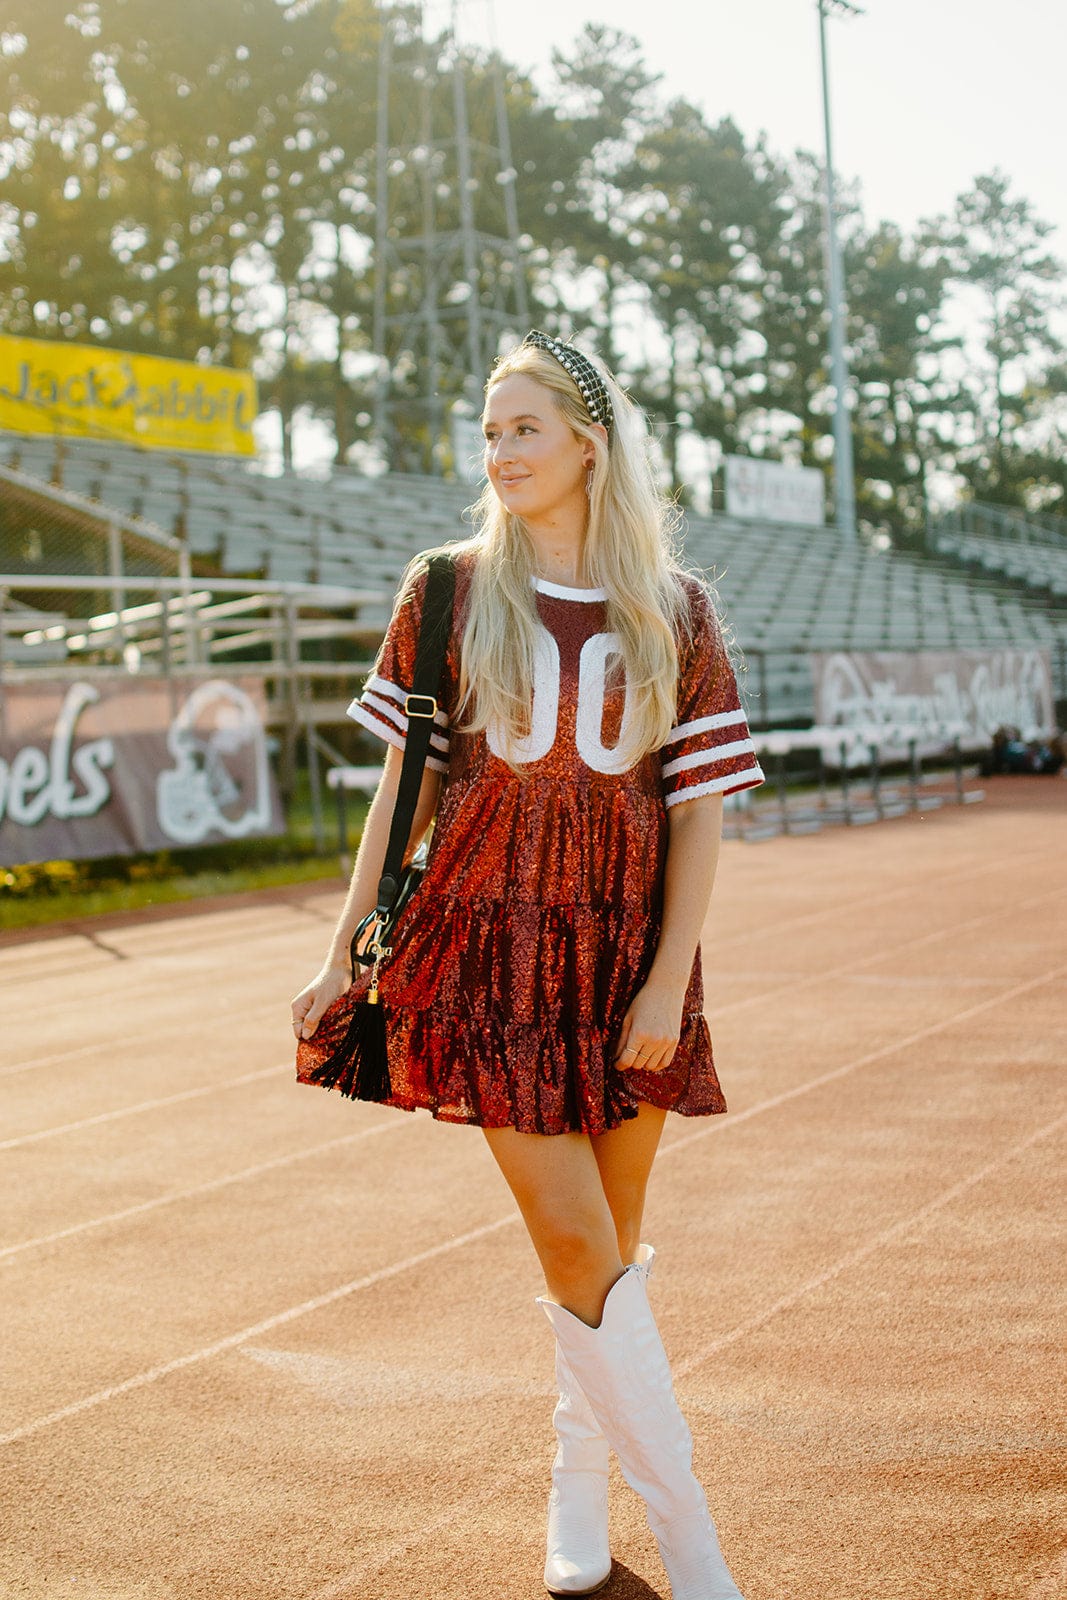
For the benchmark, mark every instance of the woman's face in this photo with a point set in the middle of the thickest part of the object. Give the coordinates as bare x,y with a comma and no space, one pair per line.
536,463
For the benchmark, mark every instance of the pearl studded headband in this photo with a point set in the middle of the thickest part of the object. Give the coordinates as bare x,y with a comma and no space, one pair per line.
590,384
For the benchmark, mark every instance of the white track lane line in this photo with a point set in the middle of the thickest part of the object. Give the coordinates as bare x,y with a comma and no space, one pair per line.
340,1588
809,919
209,1186
144,1105
349,1583
863,1252
63,1057
235,1339
231,1342
809,980
788,986
806,920
674,1144
734,1118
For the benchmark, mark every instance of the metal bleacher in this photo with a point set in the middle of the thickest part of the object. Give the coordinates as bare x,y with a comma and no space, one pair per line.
786,590
1027,550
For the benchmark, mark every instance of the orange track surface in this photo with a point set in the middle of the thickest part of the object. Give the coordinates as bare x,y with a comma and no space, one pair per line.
263,1344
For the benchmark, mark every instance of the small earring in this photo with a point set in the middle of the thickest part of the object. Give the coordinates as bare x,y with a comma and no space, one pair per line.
589,481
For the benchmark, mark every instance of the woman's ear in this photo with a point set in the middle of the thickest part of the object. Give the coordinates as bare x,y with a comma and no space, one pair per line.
589,453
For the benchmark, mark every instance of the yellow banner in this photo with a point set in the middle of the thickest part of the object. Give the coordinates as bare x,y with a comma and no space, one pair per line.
86,392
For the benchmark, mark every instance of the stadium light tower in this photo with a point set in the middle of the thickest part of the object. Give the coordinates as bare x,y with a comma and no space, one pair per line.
844,472
446,289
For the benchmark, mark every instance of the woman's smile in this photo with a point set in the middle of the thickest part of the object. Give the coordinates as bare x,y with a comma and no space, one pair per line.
533,454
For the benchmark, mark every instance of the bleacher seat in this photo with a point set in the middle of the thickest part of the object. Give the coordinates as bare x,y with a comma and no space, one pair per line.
786,590
1039,564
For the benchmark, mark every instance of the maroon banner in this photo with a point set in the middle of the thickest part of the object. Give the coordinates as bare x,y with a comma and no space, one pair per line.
973,691
116,766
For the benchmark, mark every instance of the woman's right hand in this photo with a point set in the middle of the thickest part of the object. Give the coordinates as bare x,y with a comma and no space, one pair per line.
326,987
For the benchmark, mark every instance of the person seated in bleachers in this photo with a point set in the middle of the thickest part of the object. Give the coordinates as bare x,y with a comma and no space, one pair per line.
1011,753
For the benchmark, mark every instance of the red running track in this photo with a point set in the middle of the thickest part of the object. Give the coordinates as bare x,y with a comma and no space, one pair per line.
263,1344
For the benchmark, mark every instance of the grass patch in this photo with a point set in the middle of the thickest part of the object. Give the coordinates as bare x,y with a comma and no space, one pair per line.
58,906
56,891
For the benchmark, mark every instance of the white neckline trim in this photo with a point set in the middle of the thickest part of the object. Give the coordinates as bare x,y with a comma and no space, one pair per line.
560,592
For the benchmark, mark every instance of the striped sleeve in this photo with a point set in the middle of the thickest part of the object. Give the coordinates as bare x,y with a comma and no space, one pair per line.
380,708
709,750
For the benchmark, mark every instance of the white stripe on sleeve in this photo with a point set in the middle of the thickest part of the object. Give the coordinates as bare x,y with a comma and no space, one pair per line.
734,780
375,724
366,712
703,758
376,684
385,709
721,719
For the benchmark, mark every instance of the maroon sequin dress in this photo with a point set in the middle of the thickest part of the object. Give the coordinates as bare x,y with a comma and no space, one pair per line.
539,914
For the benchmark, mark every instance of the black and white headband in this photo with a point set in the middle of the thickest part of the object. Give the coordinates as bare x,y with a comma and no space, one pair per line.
591,385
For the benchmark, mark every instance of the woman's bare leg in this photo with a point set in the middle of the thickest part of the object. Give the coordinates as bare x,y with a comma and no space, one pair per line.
557,1186
582,1201
624,1158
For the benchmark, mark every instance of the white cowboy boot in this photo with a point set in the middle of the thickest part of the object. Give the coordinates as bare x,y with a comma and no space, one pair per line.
578,1560
623,1371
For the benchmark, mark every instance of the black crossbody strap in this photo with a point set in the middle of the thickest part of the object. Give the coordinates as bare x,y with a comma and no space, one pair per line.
421,706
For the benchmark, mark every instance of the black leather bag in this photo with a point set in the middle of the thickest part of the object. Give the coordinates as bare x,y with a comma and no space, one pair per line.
358,1064
376,929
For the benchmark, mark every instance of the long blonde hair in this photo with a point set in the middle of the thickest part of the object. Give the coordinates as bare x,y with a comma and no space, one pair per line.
629,552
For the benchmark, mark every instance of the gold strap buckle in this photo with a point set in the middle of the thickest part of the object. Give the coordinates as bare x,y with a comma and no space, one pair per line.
420,705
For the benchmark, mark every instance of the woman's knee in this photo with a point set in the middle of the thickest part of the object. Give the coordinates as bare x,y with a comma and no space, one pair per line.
572,1248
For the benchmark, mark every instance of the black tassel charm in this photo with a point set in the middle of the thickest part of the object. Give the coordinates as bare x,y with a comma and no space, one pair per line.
359,1067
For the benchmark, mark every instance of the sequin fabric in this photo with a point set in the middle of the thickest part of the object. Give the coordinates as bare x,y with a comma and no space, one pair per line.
539,914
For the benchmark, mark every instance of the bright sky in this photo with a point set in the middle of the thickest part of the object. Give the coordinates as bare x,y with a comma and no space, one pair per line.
926,93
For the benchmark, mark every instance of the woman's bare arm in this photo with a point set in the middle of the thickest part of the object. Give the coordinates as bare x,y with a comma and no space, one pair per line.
335,975
653,1024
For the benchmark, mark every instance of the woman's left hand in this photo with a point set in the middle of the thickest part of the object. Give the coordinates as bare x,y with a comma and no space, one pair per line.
651,1029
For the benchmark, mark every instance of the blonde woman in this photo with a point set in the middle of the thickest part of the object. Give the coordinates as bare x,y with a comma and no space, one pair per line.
544,984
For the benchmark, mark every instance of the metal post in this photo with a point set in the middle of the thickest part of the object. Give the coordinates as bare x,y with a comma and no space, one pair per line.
383,383
435,406
118,593
291,654
166,655
189,618
475,355
314,780
876,781
342,826
846,800
914,772
783,792
508,175
844,471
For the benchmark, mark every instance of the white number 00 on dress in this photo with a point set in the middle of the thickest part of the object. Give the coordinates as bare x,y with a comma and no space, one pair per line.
598,652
